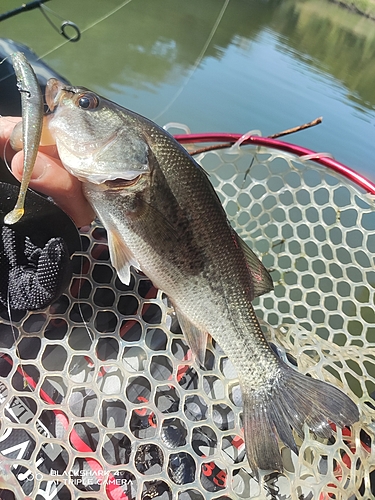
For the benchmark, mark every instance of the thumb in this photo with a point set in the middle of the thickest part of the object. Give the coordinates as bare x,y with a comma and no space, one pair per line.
39,169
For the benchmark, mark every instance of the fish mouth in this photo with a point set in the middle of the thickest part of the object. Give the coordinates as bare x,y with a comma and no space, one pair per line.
54,92
54,95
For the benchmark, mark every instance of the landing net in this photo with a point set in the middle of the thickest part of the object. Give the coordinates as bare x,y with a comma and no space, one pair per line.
100,399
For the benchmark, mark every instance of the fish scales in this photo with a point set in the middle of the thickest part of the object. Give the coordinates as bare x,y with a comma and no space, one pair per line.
163,216
230,287
202,269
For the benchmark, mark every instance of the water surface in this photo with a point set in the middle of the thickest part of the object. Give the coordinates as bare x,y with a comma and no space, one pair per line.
230,66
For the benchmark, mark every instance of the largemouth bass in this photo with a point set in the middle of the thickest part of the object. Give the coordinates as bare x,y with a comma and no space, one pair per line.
163,216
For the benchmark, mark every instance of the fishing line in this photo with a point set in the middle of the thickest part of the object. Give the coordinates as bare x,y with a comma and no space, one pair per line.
92,25
198,60
62,30
69,23
5,158
9,310
80,277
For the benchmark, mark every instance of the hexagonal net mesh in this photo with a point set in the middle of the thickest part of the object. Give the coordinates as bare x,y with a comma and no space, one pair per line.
100,398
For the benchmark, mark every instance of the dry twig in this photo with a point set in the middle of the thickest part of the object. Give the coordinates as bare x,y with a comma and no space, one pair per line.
273,136
297,129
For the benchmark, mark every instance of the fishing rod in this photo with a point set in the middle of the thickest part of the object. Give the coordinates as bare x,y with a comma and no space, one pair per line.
35,4
24,8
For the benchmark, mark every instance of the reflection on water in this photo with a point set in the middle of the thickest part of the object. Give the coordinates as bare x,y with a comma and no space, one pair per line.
268,65
348,50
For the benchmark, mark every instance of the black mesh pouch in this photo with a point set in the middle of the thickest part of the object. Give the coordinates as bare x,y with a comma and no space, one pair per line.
31,277
35,264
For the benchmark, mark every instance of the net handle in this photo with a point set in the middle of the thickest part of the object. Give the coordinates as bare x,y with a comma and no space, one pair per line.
330,163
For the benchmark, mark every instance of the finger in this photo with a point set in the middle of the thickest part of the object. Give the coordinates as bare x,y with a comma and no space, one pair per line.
50,178
7,124
50,151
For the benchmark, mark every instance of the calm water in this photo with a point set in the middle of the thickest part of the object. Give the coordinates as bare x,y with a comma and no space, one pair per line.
218,65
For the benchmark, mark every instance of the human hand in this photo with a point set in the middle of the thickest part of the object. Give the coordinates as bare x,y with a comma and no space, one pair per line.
49,176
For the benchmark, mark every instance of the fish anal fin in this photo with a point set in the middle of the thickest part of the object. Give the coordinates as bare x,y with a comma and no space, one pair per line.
261,278
292,401
121,256
195,337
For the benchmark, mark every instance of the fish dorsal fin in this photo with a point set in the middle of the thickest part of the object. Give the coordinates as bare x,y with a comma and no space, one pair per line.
121,256
260,276
195,337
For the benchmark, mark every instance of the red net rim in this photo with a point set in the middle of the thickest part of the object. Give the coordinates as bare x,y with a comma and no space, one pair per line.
330,163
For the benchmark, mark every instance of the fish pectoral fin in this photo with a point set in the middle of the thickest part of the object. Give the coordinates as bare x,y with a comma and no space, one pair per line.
261,278
195,337
121,256
293,400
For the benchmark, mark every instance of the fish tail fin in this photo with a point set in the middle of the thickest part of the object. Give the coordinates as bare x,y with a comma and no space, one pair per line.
290,401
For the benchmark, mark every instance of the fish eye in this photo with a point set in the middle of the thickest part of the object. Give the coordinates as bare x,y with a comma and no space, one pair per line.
87,101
